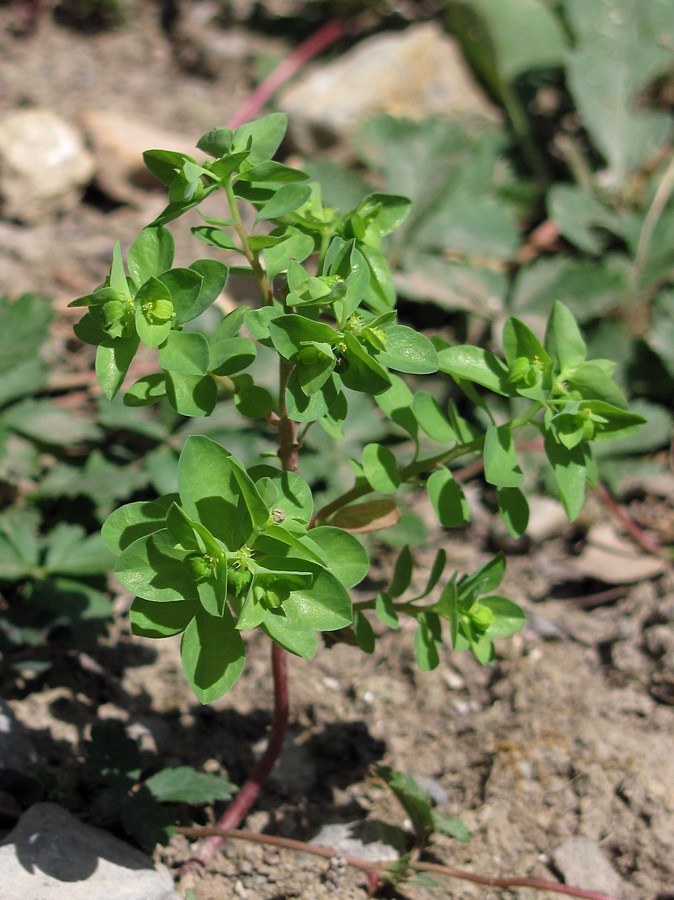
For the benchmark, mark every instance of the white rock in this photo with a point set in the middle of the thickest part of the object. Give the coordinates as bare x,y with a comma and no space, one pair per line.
51,855
613,559
17,751
44,166
547,518
582,863
416,73
367,840
118,142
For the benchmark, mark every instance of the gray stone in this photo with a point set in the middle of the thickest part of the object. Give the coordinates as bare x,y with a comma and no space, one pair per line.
416,73
51,855
17,751
547,518
582,863
611,558
118,142
44,166
367,840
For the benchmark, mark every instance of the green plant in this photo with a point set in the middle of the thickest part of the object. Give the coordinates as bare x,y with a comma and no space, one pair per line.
570,200
138,803
241,544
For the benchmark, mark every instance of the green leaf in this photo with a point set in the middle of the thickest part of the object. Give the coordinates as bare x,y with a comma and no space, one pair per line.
254,402
345,556
621,46
382,214
514,510
230,355
291,333
500,459
45,423
381,468
216,142
165,164
453,828
111,752
397,402
214,277
152,568
182,784
112,363
426,637
578,216
145,820
151,619
386,611
413,799
436,571
294,245
569,467
147,390
154,312
284,201
274,172
303,408
362,372
505,40
213,655
431,419
364,633
214,237
324,606
508,617
70,552
210,491
407,350
519,341
264,135
191,395
184,287
592,382
487,577
150,254
301,642
402,573
478,366
185,353
135,520
563,339
447,499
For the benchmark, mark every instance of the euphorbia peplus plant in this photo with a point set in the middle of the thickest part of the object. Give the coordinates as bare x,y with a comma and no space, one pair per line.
240,545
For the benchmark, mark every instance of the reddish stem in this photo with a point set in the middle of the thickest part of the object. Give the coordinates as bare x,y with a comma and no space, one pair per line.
238,808
624,519
325,36
376,870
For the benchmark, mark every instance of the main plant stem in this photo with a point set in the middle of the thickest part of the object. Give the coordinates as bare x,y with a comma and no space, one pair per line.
241,804
250,791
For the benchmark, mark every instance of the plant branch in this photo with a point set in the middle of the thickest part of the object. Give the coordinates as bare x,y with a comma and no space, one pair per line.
261,276
417,467
379,869
288,450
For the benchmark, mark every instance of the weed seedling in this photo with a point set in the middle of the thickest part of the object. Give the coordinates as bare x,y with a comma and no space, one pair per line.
242,544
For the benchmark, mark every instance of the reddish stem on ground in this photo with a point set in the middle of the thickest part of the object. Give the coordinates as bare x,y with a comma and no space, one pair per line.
317,42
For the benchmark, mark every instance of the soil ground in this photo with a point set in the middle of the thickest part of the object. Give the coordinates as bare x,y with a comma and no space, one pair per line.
569,733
